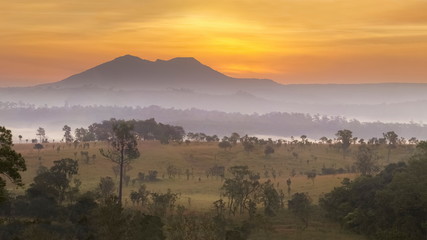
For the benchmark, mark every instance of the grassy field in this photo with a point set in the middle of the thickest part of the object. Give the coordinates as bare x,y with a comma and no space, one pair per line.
200,192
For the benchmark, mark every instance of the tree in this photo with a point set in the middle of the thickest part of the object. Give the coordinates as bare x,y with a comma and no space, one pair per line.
234,137
123,149
55,183
389,205
413,140
106,188
224,145
38,147
323,139
11,162
20,138
41,133
303,139
248,146
345,137
84,135
271,199
67,134
243,187
300,206
289,182
311,175
366,160
392,139
66,166
268,150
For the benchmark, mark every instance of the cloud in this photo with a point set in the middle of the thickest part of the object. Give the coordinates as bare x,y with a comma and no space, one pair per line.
271,36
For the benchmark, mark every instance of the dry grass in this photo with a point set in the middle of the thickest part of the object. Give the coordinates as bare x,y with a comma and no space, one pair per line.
198,157
201,192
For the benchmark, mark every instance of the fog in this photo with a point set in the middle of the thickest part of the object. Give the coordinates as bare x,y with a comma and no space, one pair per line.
128,86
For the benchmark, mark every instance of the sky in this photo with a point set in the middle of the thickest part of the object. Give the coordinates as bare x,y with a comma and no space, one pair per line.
289,41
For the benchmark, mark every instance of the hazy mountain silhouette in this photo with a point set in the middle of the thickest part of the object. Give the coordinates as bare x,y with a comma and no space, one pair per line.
133,73
186,83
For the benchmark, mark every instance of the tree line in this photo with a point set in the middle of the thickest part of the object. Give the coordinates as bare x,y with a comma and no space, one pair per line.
209,122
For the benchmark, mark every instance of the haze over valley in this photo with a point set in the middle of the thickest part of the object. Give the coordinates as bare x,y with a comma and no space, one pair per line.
181,84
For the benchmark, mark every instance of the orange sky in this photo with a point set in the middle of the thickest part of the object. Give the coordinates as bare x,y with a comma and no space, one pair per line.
289,41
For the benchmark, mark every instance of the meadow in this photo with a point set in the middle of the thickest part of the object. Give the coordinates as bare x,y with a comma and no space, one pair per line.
198,191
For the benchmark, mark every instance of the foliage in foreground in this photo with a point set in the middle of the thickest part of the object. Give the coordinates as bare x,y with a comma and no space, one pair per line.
390,205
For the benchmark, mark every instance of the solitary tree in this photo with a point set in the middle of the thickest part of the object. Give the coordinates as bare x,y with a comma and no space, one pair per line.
67,134
392,139
20,138
11,162
123,149
289,182
38,147
345,137
303,139
311,175
41,133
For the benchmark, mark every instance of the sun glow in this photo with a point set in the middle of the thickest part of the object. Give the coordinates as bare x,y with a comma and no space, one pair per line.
311,41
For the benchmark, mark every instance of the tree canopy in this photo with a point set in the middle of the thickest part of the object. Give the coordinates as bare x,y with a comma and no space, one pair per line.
390,205
11,162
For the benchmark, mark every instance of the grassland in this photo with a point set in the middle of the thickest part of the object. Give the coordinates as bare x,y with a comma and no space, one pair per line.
200,191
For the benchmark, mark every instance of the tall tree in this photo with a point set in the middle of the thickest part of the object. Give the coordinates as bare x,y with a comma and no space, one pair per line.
41,133
123,148
392,139
345,137
11,162
67,134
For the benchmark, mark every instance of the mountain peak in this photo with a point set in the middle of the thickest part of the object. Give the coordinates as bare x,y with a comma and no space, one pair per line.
184,60
131,72
128,58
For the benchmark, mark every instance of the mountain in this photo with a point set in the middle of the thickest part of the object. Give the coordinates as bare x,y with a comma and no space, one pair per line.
185,83
133,73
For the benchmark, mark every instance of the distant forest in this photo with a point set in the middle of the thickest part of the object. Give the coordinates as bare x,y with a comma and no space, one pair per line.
279,124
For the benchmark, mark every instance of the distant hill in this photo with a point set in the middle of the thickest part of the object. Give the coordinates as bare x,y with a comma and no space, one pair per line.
133,73
185,83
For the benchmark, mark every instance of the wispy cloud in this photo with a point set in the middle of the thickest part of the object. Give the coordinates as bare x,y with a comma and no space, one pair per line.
282,39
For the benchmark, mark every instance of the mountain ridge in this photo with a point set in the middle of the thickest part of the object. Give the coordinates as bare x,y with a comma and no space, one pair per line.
130,72
184,82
